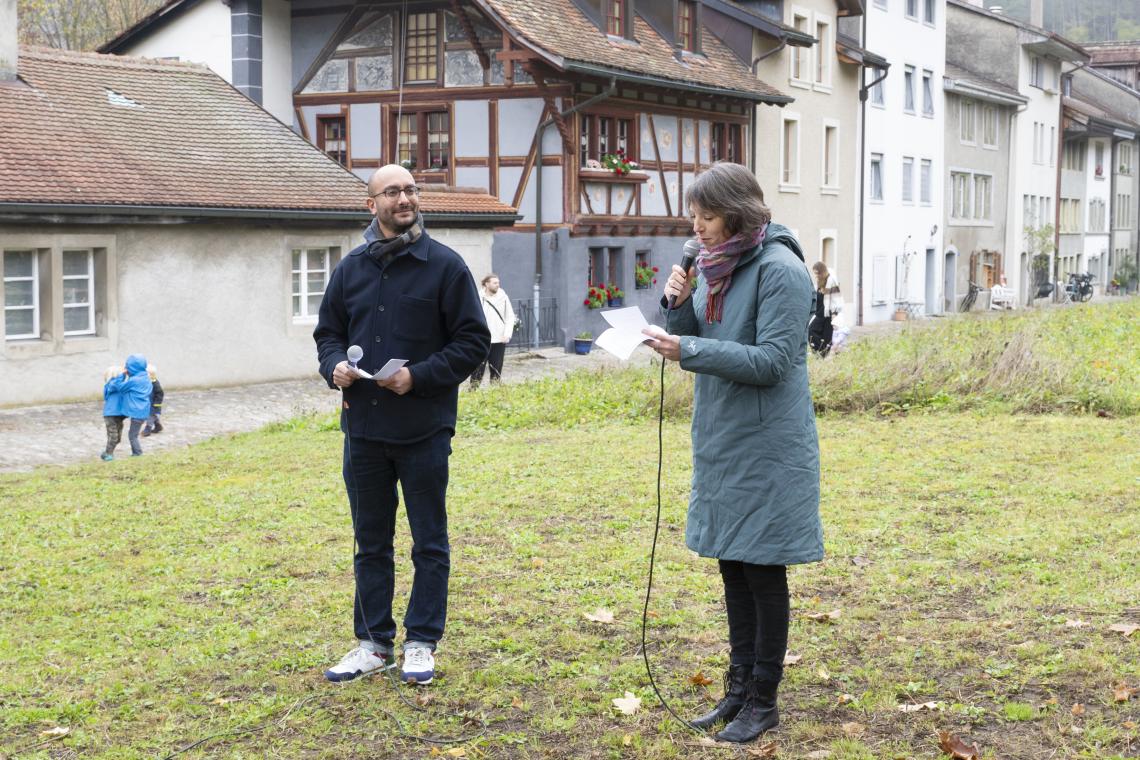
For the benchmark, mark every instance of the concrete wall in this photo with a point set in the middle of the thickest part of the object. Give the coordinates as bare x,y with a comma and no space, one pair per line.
815,211
968,237
201,35
209,304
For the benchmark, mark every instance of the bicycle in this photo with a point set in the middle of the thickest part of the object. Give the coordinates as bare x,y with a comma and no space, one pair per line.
1079,287
969,299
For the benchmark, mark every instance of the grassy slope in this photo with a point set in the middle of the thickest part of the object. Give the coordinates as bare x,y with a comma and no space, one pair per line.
153,602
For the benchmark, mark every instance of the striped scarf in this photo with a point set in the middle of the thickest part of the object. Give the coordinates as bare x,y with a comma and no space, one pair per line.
717,265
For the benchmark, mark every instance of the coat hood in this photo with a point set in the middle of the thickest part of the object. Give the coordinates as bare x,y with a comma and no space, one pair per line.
778,233
136,363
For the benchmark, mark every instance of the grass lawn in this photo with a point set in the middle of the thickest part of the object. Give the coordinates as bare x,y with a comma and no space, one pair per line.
975,566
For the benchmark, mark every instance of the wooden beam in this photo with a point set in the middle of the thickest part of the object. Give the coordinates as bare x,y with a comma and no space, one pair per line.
660,172
469,30
493,145
528,164
539,79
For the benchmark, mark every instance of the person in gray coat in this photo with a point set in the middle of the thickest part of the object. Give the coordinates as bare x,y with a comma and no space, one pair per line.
754,503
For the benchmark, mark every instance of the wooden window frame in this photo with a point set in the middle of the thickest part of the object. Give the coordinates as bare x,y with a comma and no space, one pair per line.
440,29
610,20
421,111
324,119
726,142
590,127
688,26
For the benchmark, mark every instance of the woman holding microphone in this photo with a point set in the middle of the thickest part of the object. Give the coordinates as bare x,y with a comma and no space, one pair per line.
754,503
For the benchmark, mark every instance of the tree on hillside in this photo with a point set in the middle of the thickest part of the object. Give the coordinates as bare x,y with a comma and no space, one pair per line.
78,24
1082,20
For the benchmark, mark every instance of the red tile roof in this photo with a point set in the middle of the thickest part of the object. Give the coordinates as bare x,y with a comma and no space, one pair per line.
559,29
90,129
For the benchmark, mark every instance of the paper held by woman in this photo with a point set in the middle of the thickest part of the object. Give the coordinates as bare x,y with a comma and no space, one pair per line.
625,331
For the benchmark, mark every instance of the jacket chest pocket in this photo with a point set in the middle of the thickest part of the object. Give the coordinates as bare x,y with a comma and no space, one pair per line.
415,319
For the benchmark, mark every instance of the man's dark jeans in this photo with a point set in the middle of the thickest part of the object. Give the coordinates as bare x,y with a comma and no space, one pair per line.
371,471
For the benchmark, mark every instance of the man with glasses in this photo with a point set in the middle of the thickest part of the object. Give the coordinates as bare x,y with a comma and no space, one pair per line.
401,295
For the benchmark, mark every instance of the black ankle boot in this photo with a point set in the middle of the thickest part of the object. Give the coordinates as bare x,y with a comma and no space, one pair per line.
726,709
759,713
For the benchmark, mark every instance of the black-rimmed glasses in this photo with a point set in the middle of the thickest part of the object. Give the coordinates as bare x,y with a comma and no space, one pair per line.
392,193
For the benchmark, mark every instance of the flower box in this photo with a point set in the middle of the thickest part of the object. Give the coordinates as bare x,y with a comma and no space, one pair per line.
635,177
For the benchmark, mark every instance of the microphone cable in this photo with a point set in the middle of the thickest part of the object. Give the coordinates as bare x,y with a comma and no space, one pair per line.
653,557
326,699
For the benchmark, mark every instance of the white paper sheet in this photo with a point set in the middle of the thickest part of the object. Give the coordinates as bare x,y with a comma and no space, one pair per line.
385,372
625,334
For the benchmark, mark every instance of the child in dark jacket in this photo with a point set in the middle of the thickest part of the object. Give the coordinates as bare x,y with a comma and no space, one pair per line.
126,394
153,423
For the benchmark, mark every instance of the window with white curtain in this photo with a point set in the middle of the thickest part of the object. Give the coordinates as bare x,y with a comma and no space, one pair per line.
21,294
79,292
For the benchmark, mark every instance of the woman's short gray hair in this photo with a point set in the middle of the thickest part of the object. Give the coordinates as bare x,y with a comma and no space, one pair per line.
732,192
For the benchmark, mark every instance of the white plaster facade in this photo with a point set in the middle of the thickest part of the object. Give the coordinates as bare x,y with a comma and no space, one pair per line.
806,152
1034,161
202,35
902,237
277,59
1096,212
183,295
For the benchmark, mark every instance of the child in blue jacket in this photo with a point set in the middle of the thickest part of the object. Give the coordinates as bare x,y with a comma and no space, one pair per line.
126,394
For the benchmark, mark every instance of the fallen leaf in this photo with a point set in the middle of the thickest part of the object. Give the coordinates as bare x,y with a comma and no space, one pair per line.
1078,709
792,659
52,733
1075,623
860,561
956,748
1050,701
629,704
819,754
700,679
853,729
1129,724
221,701
764,750
424,698
846,698
823,674
517,703
1123,692
1126,628
600,615
900,639
627,740
653,614
537,562
931,706
824,617
1004,624
456,752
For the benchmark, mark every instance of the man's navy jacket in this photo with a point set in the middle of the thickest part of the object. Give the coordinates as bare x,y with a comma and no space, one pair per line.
424,307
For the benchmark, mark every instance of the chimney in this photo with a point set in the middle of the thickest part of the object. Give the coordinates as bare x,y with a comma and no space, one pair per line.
1037,13
8,50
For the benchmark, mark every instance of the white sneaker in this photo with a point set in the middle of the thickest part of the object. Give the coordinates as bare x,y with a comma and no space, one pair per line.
419,666
360,662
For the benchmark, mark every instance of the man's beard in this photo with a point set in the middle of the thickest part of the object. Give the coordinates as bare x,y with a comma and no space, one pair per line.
388,218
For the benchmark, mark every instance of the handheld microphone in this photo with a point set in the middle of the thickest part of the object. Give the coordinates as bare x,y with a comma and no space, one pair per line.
688,256
355,354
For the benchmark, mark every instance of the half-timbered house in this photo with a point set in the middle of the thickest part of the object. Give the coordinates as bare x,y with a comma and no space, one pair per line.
527,100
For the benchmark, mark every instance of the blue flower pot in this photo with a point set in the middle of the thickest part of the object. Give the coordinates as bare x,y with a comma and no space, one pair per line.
582,346
616,301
